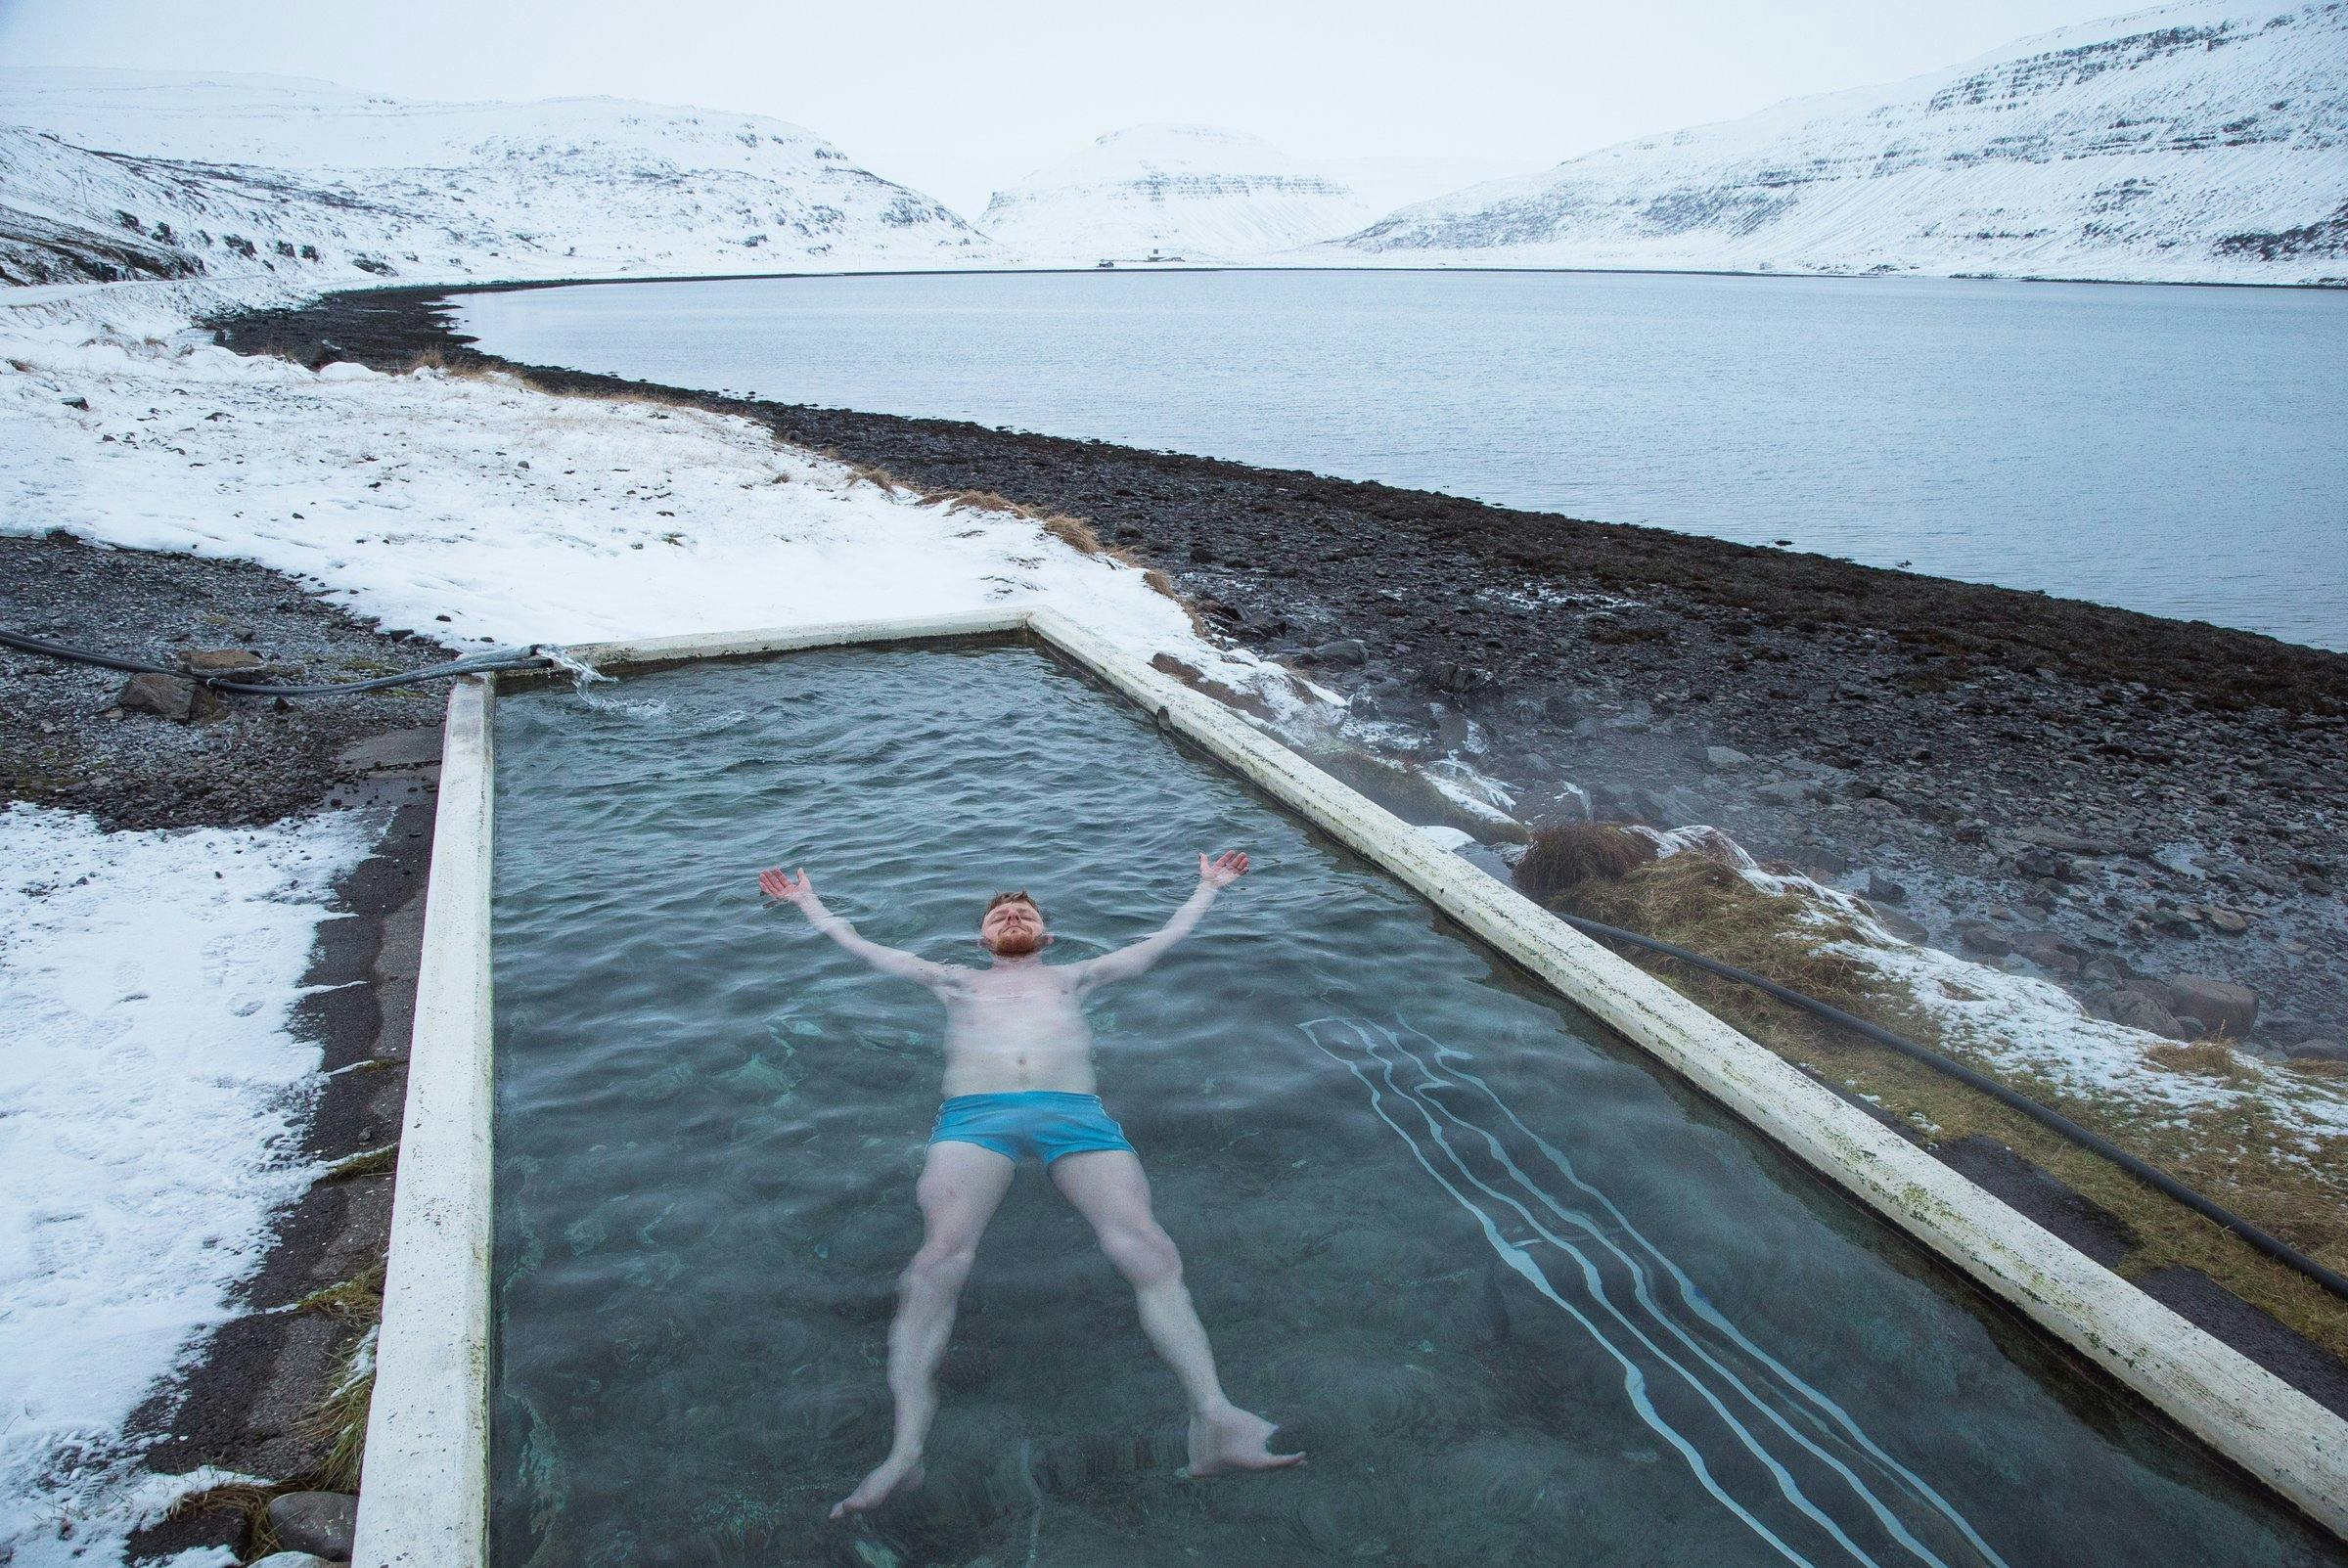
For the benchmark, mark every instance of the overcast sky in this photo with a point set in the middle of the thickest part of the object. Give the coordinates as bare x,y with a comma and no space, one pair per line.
958,98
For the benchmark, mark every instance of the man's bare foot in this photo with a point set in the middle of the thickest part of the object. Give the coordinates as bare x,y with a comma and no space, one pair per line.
1234,1440
892,1476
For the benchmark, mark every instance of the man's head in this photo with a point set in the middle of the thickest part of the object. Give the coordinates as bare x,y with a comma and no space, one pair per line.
1012,927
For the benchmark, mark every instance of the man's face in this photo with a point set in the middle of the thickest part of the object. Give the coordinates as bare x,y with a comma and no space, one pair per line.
1012,930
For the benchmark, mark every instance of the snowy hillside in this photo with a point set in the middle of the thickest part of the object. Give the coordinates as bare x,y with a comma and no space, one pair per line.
238,174
1190,191
2199,141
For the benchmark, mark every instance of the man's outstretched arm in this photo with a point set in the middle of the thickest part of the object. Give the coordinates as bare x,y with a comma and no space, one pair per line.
1123,965
782,884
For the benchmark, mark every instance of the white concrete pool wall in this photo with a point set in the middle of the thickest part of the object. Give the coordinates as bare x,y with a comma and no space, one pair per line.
425,1494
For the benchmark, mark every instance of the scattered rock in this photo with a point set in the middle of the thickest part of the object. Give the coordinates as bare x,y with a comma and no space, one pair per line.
2139,1010
1784,792
81,403
1899,925
2317,1051
2215,1005
1980,936
2050,952
219,660
1458,679
170,696
1721,759
322,1522
1882,890
2226,921
1346,652
298,1559
2070,843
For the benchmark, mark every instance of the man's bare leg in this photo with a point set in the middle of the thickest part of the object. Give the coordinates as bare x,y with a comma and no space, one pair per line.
959,1188
1107,1188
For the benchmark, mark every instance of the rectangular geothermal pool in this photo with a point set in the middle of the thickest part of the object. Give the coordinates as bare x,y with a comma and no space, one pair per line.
1524,1296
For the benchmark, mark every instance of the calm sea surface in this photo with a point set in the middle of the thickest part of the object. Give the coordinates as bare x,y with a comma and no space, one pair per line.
2178,451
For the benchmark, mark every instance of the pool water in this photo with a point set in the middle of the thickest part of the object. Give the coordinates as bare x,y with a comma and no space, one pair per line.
1522,1297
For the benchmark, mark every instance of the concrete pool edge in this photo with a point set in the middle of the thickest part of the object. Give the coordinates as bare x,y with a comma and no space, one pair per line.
421,1502
423,1494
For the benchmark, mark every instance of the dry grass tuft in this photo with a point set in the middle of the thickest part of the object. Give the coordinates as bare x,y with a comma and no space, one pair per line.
340,1419
873,473
981,501
433,359
357,1300
1560,859
370,1162
1159,583
1074,532
238,1498
2208,1058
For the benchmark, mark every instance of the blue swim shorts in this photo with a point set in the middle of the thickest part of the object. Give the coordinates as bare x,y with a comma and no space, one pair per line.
1047,1123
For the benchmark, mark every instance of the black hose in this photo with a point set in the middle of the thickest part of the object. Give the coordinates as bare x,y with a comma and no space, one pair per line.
504,659
2280,1251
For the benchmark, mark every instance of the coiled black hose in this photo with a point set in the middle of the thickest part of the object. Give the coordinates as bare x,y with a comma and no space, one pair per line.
2275,1247
503,658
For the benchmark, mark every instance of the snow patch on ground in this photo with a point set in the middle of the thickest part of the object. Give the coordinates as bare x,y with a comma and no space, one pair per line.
481,511
2019,1027
150,1101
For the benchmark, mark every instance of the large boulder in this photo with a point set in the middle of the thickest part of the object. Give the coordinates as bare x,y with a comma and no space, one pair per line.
2218,1005
322,1522
169,696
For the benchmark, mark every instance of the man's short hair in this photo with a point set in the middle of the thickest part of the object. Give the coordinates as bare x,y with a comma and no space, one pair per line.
1019,897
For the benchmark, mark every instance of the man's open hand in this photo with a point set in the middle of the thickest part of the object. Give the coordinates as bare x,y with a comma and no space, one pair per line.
783,885
1224,870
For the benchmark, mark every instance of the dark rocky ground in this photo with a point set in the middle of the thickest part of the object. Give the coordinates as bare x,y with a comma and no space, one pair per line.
245,1405
62,744
2105,798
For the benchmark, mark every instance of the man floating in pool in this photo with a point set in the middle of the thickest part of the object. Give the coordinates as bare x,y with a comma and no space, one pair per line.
1019,1082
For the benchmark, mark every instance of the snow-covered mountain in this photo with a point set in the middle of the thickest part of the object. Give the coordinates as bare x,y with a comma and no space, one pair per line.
182,173
1188,192
2205,141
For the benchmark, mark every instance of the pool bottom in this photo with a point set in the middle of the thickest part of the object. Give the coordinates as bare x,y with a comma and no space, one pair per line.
1512,1286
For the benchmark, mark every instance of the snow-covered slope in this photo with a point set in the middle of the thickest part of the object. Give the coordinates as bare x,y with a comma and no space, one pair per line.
223,174
2207,140
1188,192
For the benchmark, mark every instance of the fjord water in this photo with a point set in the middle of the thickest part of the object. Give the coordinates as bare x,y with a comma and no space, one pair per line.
2172,450
1521,1297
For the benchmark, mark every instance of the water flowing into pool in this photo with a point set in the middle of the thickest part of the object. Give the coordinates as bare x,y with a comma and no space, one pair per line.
1522,1297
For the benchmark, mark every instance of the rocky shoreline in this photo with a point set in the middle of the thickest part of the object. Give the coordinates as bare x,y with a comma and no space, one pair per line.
2136,808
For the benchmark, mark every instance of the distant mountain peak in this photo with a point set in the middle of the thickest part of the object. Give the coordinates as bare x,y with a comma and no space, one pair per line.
142,173
1175,192
2200,141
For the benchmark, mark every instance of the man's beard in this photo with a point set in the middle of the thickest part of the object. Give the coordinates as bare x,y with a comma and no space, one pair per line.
1017,944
